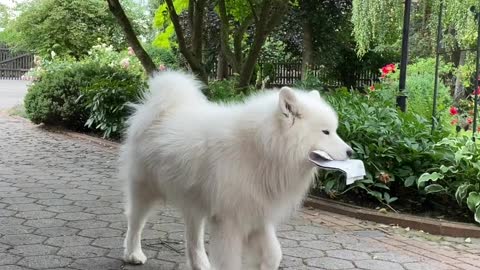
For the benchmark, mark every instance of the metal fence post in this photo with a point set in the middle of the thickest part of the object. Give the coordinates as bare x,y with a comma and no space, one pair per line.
402,98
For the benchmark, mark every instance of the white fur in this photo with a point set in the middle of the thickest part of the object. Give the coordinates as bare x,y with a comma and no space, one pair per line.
241,167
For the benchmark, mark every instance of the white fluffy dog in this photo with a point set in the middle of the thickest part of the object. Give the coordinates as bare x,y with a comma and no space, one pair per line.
241,167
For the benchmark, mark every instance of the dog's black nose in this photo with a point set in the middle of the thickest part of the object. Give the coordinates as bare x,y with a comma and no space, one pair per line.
349,152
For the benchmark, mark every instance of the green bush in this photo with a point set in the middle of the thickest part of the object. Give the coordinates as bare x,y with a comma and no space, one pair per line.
395,147
455,173
401,155
53,97
106,100
90,93
225,91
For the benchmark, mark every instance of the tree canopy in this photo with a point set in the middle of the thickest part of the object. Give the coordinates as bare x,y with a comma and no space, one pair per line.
67,27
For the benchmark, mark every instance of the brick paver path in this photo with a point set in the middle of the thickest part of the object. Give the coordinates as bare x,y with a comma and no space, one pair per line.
61,208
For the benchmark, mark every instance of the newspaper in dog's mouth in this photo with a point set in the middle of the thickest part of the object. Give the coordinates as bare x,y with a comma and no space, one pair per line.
354,169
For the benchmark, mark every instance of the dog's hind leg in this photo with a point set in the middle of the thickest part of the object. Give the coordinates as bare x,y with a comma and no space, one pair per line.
139,204
195,245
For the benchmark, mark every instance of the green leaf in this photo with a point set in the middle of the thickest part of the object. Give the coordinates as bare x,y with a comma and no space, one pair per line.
477,215
473,200
434,188
410,181
461,193
428,177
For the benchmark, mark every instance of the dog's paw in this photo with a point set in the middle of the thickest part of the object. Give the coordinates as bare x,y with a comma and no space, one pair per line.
136,257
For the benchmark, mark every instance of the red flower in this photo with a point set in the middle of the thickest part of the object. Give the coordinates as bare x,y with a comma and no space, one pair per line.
469,121
372,87
453,111
478,129
454,122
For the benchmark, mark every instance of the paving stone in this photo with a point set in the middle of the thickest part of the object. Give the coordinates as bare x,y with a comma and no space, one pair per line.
75,216
43,223
6,258
52,202
82,252
378,265
13,267
6,213
35,214
15,229
396,256
100,232
44,262
329,263
68,241
301,252
108,242
314,229
321,245
97,264
348,254
22,239
294,235
56,231
87,224
32,250
26,207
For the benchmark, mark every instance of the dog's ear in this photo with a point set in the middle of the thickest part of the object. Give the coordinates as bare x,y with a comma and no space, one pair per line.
288,102
314,93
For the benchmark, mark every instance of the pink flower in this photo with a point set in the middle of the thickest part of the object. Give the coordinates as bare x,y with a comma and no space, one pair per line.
372,87
130,51
162,67
125,63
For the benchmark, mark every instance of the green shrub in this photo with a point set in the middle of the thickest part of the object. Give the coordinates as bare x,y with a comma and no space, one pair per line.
106,100
225,91
455,173
395,147
90,93
53,97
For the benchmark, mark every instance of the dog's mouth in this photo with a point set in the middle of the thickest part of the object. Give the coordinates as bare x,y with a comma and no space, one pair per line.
319,156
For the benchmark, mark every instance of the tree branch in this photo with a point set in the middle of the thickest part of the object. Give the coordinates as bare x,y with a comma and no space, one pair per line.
146,61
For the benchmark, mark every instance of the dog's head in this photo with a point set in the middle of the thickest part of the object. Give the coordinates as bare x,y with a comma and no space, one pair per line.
313,123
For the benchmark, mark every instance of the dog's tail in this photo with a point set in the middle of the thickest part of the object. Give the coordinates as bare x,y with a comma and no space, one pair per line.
168,91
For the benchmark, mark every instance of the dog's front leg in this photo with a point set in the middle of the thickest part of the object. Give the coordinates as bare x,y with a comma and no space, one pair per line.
265,248
225,245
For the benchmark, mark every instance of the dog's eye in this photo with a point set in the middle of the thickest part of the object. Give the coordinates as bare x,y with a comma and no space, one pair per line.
326,132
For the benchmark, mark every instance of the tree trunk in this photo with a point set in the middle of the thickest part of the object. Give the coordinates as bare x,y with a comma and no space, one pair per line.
270,16
222,67
131,37
459,92
193,60
307,54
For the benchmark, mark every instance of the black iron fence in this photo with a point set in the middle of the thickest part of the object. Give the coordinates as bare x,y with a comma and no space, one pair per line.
278,74
14,64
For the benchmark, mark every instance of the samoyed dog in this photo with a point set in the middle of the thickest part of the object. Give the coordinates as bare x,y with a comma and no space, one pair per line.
240,167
